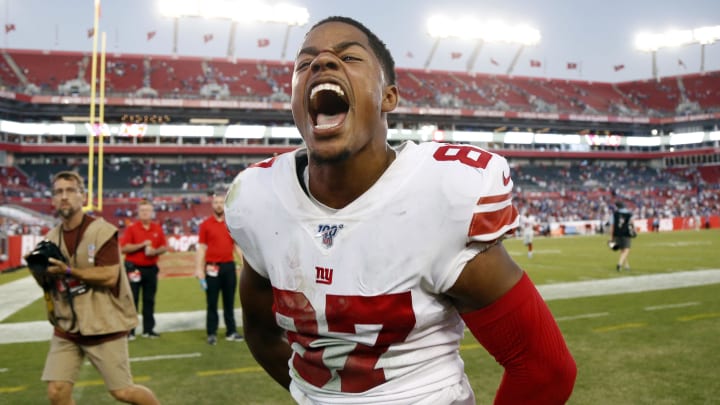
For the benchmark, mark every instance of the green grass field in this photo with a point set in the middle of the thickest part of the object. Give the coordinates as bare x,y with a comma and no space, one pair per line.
659,347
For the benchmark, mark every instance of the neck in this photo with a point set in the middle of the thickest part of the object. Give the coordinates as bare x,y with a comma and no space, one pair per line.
338,185
73,222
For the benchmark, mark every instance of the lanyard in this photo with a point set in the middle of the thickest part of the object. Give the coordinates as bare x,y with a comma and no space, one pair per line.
77,240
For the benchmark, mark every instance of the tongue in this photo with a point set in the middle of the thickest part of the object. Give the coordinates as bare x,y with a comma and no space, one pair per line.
328,121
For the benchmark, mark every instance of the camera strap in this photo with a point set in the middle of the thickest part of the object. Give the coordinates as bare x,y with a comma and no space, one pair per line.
73,253
50,306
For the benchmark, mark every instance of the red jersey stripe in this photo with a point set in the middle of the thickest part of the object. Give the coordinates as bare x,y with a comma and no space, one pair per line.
493,199
488,223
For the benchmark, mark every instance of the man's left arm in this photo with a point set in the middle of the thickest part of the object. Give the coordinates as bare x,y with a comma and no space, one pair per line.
506,314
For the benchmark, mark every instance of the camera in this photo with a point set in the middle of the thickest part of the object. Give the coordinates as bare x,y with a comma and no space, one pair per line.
38,261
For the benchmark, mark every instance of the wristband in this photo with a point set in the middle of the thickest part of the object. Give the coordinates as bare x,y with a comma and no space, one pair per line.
68,270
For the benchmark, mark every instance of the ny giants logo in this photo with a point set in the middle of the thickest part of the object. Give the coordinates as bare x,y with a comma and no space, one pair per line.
328,232
323,275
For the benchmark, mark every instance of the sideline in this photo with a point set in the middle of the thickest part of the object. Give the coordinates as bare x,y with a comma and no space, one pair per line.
39,331
18,294
22,292
623,285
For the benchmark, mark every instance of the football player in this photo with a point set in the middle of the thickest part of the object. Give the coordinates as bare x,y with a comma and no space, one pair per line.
364,263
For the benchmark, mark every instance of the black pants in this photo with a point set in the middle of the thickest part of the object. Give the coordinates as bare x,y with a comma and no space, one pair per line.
148,287
225,282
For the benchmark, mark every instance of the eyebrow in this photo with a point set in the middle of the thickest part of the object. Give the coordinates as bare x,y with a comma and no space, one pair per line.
311,50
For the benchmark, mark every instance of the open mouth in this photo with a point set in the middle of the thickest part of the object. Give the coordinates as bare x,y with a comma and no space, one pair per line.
328,105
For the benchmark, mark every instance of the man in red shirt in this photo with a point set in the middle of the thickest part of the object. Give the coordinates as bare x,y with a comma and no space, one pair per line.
216,270
143,242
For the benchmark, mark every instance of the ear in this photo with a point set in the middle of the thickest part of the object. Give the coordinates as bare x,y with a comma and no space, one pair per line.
391,96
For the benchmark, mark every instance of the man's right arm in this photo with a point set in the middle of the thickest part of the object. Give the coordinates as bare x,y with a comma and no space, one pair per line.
125,243
200,249
262,334
134,247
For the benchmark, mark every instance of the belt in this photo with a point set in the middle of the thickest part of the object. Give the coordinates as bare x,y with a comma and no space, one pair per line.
144,267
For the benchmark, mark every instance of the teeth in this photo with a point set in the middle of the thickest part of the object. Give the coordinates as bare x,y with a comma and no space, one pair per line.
326,86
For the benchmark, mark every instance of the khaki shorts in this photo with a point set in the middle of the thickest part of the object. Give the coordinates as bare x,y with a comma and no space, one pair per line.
110,359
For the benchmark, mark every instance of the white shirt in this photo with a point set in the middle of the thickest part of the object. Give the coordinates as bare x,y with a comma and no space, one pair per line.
527,225
360,290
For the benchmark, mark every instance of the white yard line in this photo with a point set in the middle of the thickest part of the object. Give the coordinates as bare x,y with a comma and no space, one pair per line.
671,306
161,357
166,357
582,316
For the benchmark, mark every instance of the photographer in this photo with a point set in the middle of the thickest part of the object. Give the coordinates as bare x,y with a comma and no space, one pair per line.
88,298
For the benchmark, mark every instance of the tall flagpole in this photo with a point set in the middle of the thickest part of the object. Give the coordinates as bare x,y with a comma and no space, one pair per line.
7,15
580,69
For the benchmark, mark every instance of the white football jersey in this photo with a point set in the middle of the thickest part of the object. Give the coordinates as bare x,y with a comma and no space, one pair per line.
527,224
360,291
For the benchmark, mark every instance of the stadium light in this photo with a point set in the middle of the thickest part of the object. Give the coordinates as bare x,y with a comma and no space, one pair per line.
649,42
491,31
236,12
495,31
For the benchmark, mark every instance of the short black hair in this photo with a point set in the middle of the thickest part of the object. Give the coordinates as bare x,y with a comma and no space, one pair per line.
378,46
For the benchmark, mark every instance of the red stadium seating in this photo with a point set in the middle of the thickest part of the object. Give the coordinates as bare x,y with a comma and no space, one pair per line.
704,89
172,76
49,69
124,73
248,79
661,96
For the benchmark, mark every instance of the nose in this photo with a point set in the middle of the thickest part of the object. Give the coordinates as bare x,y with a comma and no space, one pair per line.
324,60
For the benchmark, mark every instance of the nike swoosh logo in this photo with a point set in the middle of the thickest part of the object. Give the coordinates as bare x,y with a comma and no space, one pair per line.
506,180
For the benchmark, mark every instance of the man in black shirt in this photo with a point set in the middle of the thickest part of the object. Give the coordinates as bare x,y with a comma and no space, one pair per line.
622,231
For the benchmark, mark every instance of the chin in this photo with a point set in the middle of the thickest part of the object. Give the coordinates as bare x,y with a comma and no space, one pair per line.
65,213
320,156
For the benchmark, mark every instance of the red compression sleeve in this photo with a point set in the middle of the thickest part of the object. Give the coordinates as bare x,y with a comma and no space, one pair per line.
521,333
